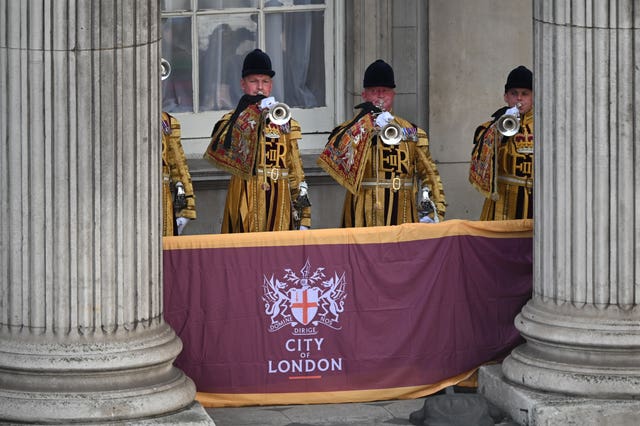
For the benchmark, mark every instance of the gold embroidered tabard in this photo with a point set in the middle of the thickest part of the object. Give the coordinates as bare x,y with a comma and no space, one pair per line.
395,159
275,152
516,158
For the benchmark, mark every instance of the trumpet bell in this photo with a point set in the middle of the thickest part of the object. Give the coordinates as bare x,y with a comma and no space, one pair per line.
279,114
508,125
391,134
165,69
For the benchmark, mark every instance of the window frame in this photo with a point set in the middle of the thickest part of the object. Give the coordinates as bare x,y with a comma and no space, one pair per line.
314,121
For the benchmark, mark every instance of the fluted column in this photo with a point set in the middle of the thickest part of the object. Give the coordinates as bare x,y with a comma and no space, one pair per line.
81,330
582,325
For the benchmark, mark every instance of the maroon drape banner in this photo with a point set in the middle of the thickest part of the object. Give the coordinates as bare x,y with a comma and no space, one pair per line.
345,310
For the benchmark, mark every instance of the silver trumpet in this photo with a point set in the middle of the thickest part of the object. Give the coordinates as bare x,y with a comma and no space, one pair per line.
279,114
427,206
179,198
165,69
509,124
390,134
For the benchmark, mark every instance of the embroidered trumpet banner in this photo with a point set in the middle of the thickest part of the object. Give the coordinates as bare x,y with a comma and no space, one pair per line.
344,315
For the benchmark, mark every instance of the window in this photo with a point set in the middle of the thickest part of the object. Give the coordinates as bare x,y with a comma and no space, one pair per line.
205,42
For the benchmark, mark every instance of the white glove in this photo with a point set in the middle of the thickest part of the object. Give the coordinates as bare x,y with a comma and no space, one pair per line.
383,119
267,102
426,219
181,222
304,188
513,111
303,228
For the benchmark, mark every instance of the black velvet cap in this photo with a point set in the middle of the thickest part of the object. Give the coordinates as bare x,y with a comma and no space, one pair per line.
520,78
257,62
379,74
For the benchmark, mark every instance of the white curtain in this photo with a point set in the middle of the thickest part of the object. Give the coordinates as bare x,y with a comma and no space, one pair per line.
289,44
293,40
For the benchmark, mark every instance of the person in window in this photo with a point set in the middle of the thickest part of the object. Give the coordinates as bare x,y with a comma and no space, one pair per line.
383,161
259,147
178,200
501,166
242,41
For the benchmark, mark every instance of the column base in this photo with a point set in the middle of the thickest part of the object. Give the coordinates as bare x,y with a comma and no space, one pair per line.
535,369
67,406
114,377
529,407
584,351
194,415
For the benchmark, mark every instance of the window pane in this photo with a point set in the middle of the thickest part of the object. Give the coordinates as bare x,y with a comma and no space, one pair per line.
222,4
223,42
174,5
295,43
177,89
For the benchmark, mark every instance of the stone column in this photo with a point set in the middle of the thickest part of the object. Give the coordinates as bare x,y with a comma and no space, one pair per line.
582,325
82,336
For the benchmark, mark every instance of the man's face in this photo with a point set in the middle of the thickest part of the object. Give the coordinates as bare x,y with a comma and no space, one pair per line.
382,97
256,84
524,97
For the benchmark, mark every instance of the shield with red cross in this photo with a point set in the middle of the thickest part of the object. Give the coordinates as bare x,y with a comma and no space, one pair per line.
304,304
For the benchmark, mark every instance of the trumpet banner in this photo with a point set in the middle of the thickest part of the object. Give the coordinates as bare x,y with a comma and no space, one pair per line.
481,169
346,153
344,315
239,158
